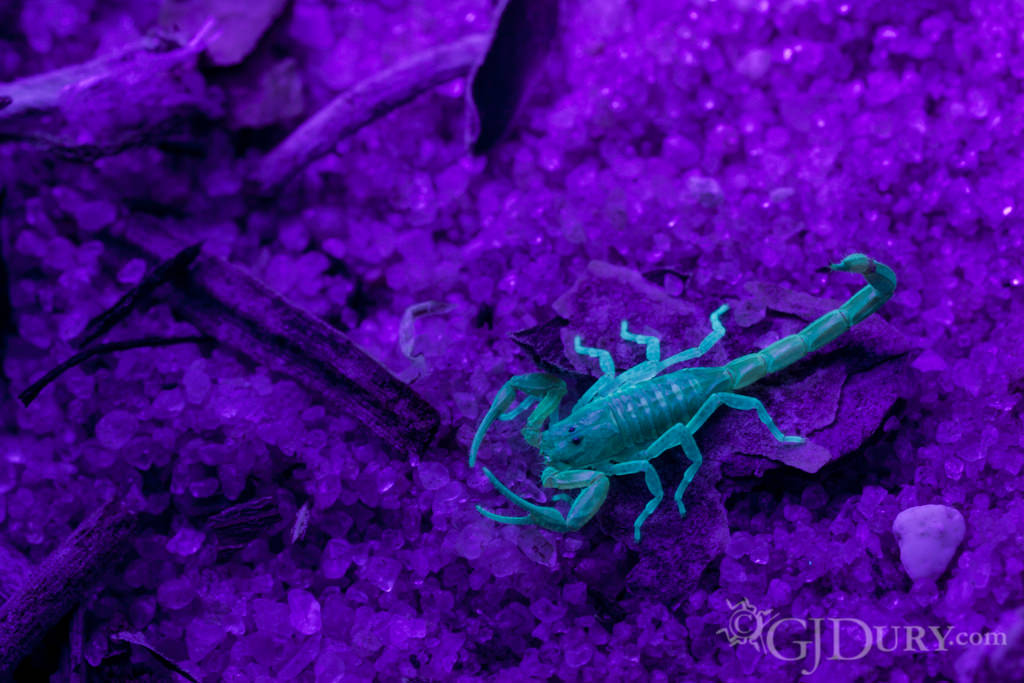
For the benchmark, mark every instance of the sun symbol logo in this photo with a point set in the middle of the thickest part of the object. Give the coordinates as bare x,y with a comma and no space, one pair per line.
746,624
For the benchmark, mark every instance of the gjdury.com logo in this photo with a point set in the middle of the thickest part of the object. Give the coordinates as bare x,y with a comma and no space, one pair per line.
791,639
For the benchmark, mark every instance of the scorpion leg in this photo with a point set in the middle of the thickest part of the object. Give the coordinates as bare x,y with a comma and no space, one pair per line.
605,382
739,402
588,502
550,389
603,357
645,371
653,485
716,334
653,344
678,435
641,371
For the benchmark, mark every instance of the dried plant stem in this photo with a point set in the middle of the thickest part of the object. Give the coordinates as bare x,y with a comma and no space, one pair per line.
59,583
30,394
364,103
239,311
171,268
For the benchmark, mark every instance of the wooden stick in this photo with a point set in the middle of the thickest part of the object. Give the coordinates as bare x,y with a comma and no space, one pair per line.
59,583
173,267
237,310
364,103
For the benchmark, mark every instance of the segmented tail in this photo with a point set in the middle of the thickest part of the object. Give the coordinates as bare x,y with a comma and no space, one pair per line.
746,370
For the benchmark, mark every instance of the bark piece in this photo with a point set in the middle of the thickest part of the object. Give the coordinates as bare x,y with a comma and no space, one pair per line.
236,526
522,39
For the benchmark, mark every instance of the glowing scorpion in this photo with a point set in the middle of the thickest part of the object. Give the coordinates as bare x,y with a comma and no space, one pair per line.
625,421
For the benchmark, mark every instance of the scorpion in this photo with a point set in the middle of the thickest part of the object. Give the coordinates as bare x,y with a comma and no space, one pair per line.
623,422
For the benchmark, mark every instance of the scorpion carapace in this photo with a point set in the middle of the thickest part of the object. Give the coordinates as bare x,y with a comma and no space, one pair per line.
624,421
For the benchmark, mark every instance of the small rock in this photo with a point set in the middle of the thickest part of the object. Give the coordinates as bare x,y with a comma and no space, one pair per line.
115,429
238,25
186,542
304,611
196,382
202,637
928,536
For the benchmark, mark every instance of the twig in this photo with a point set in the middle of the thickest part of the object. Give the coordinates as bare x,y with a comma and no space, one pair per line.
364,103
238,311
30,394
141,640
61,580
173,267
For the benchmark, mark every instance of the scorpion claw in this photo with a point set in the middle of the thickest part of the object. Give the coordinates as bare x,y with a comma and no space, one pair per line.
547,518
504,519
512,496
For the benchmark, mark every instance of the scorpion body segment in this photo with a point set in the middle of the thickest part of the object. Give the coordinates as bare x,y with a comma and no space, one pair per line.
624,421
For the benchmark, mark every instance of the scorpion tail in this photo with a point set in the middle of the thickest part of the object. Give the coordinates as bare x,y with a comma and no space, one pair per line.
746,370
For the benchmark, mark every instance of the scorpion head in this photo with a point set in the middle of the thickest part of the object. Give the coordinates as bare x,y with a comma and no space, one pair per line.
582,439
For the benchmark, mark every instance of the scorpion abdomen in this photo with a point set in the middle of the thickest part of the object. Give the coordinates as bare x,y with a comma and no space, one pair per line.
644,411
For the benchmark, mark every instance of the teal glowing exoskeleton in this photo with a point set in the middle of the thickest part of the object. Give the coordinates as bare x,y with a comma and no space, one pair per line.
624,421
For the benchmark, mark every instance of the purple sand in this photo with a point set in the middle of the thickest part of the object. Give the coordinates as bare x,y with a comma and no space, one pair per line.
673,156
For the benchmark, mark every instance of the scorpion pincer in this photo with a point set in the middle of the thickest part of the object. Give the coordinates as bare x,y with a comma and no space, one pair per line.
624,421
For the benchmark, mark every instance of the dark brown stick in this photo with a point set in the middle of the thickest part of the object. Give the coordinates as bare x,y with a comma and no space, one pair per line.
241,312
364,103
238,311
171,268
61,580
29,394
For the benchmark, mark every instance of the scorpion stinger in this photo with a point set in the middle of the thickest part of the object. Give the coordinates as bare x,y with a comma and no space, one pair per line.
623,422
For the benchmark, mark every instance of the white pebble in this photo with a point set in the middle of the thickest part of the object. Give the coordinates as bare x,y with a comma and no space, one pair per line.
928,536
